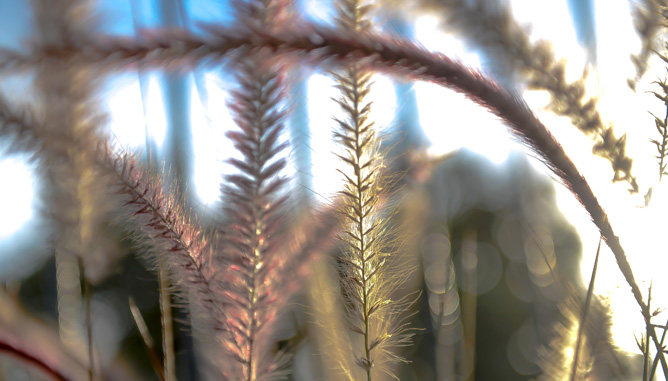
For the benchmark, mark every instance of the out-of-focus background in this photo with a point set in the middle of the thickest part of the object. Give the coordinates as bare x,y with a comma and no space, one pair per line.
496,238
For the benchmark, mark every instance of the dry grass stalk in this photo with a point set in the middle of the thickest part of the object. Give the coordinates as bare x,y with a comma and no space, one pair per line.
367,280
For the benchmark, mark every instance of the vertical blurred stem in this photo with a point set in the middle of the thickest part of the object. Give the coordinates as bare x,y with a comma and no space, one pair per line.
646,352
167,326
655,363
178,153
69,298
328,323
140,323
65,90
88,319
469,301
169,362
57,89
446,350
585,309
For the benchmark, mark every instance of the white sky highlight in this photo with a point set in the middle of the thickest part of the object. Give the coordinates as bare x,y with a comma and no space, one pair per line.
16,195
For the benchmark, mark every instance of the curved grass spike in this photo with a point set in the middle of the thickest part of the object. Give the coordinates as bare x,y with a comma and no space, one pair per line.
324,46
489,24
366,281
172,235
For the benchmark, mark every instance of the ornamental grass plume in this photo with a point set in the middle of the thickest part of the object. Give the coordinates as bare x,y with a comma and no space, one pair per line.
366,277
253,201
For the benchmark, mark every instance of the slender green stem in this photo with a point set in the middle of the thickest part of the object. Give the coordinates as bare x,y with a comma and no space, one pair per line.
360,228
89,321
664,146
655,363
140,323
167,326
583,316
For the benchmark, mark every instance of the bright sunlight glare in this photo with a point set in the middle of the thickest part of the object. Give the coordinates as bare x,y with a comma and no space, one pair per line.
638,227
320,92
210,119
16,195
449,121
462,124
133,114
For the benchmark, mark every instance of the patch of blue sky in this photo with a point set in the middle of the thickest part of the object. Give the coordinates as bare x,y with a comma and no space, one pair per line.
16,29
207,11
115,16
122,17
